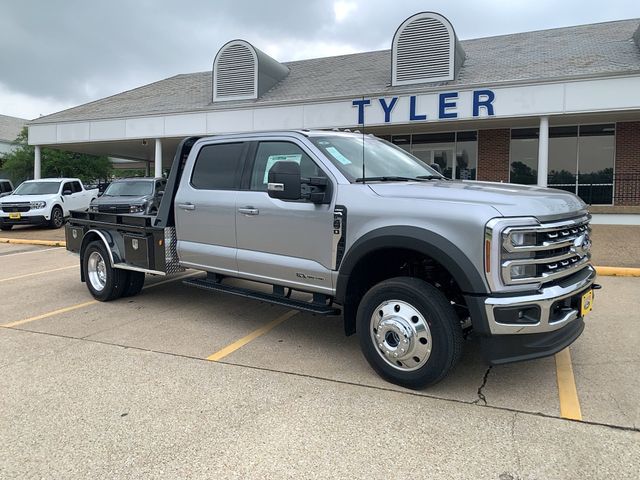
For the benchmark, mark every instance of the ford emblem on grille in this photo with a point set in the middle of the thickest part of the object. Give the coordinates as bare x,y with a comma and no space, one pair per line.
581,245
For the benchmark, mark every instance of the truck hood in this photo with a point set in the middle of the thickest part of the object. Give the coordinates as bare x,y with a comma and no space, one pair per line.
107,200
28,198
510,200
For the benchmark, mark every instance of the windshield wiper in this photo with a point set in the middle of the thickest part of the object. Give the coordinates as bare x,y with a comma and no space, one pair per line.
384,179
432,177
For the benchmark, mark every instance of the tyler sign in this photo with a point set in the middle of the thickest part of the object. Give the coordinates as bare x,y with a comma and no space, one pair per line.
428,107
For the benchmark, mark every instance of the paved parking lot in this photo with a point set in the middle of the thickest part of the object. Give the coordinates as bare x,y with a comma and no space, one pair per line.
125,389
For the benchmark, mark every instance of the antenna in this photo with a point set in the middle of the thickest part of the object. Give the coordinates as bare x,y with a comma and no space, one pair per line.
364,176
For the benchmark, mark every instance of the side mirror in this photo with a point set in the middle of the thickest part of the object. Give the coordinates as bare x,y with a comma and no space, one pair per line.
284,181
67,192
436,167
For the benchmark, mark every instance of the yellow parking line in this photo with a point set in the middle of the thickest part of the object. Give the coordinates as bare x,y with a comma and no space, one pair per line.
567,391
37,273
81,305
220,354
48,314
46,243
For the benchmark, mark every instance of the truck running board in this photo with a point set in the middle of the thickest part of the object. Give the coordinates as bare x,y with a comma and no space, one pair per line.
313,307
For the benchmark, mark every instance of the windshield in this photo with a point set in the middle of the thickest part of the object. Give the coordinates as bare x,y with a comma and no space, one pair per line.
37,188
133,188
381,158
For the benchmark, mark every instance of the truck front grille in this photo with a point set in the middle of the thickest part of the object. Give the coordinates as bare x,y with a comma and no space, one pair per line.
20,207
113,208
545,252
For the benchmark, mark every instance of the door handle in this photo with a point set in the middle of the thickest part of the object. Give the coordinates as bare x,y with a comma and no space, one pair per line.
249,211
187,206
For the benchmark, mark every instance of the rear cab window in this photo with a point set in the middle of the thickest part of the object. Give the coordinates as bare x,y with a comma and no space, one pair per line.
218,166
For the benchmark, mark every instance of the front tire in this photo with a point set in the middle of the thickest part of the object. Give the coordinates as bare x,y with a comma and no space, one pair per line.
409,332
6,228
57,217
103,281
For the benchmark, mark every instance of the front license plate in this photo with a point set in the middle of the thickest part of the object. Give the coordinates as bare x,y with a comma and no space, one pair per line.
586,303
14,216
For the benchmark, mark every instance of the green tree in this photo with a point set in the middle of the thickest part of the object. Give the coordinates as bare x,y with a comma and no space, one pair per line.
55,163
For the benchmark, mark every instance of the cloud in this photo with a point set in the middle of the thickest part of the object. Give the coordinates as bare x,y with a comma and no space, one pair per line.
67,52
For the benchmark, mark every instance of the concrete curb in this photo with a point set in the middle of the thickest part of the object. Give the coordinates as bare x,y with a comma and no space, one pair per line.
45,243
618,271
604,271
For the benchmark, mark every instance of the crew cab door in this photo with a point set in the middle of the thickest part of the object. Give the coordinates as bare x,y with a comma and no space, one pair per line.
205,207
283,242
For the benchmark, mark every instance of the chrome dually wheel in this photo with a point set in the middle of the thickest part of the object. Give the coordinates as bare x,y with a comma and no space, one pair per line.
103,281
402,335
97,271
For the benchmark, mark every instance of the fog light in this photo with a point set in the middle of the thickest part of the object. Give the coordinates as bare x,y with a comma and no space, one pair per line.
518,315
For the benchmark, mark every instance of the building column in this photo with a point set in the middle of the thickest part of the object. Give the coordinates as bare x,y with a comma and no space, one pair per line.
158,158
147,168
543,152
37,163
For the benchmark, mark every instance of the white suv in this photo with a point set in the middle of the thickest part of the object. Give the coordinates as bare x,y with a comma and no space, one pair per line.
44,202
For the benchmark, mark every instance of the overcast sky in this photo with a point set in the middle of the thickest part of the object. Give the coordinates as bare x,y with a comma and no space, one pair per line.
56,54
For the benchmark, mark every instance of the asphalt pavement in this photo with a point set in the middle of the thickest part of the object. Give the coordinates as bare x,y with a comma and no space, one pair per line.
124,390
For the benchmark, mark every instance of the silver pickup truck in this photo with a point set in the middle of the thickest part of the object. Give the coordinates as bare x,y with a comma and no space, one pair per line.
413,262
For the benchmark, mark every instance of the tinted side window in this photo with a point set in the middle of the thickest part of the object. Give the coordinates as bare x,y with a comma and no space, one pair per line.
5,187
217,167
67,186
270,153
77,187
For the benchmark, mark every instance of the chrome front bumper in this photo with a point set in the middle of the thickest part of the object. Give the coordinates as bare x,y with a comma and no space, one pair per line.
549,320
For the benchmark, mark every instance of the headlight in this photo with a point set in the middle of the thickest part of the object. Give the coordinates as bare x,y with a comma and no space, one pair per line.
136,208
523,239
37,205
93,208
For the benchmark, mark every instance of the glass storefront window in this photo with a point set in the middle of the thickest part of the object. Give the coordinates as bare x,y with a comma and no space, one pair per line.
596,146
563,158
454,152
524,156
581,160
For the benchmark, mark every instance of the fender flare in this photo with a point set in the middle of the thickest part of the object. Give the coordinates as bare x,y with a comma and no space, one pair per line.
106,239
418,239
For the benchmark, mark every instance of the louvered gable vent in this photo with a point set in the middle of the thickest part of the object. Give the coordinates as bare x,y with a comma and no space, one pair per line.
242,72
425,49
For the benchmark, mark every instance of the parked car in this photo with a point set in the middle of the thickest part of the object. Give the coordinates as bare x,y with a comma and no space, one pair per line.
6,187
415,260
131,195
44,202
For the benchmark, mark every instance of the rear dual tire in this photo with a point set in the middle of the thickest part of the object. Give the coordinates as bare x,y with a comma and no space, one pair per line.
104,282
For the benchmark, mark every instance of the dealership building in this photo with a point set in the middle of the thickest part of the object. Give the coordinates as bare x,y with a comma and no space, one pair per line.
557,107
